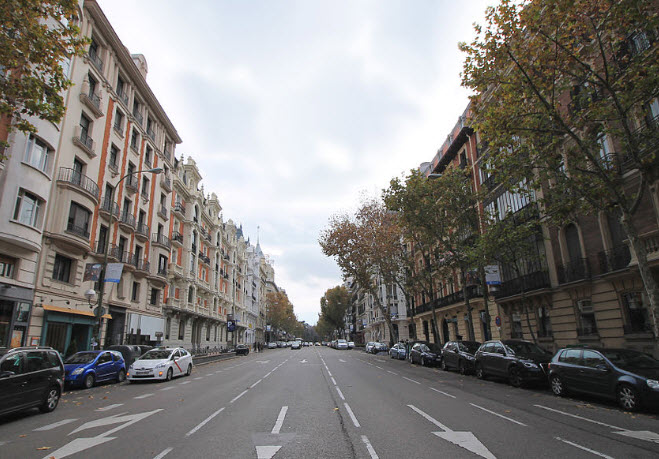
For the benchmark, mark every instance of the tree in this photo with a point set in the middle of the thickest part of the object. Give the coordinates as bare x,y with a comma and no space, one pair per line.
280,313
558,84
37,37
333,306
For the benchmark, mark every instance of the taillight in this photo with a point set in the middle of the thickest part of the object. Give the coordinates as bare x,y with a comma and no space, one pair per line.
549,365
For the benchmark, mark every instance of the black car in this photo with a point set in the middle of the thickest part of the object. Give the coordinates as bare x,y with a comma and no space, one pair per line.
242,349
517,360
627,376
130,352
426,354
30,377
459,355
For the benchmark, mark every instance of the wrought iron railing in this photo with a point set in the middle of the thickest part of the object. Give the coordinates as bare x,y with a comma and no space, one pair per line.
78,230
161,239
573,271
616,258
81,181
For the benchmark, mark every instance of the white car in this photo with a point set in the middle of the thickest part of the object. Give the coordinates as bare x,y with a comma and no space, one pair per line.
161,364
341,344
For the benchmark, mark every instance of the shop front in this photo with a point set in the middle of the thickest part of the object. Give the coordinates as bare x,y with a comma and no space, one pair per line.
116,326
68,330
15,309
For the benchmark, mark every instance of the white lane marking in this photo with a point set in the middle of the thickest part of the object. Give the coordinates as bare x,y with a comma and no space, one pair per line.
415,382
198,378
204,422
369,447
341,360
328,372
268,374
377,366
442,392
139,397
500,415
184,383
334,381
167,388
579,417
209,374
109,407
369,363
394,373
592,451
280,420
340,393
238,396
352,415
430,418
164,453
218,371
54,425
255,383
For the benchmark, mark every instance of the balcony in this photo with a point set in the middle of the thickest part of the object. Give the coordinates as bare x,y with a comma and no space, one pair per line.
161,240
95,60
166,183
614,259
162,211
473,291
533,281
179,209
114,169
119,129
573,271
151,135
167,155
127,220
162,271
121,93
91,100
79,230
100,248
142,267
84,141
142,231
79,181
638,328
145,195
177,238
138,116
132,183
121,256
106,207
203,258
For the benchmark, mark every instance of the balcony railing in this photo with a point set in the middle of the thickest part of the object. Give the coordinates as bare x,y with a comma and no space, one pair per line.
127,219
79,180
473,291
78,230
162,211
178,237
151,135
132,183
143,229
109,206
161,239
119,128
162,271
528,282
166,183
100,247
95,60
122,95
83,140
614,259
140,263
180,208
573,271
138,116
145,194
121,255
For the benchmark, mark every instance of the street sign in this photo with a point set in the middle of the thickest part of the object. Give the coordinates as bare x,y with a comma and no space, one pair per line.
497,321
231,325
492,275
113,272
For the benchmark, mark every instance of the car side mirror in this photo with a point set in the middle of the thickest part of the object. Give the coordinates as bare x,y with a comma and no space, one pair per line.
602,367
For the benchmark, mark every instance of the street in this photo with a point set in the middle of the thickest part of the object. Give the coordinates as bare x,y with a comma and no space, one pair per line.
324,403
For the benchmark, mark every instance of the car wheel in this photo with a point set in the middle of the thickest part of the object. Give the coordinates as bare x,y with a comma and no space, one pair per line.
627,397
170,373
480,373
51,401
557,386
462,368
121,377
514,377
88,383
189,372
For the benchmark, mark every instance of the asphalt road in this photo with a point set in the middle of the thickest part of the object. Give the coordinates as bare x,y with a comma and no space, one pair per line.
325,403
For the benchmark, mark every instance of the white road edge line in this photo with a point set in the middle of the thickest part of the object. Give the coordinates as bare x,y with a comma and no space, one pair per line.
500,415
139,397
352,416
415,382
238,396
252,386
204,422
164,453
340,393
592,451
393,373
328,372
167,388
280,420
430,418
582,418
267,375
369,447
442,392
334,381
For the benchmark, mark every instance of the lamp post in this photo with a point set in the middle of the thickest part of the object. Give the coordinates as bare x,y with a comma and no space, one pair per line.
99,312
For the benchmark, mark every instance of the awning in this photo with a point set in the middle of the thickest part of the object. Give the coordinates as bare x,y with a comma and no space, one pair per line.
65,310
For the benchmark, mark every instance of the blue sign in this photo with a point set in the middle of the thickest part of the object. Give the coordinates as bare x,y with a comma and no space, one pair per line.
231,326
497,321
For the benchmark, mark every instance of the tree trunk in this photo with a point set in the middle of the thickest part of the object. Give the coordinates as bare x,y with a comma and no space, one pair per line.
470,322
528,319
487,317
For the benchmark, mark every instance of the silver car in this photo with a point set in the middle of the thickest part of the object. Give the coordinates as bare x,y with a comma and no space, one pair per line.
398,351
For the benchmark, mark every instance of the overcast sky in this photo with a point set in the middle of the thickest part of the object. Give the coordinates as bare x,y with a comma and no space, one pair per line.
295,109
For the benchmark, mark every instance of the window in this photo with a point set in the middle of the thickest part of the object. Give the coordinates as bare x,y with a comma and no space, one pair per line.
85,128
181,329
652,113
121,89
571,356
190,294
28,208
606,156
168,327
544,323
7,267
134,139
516,331
119,122
62,268
592,359
636,314
638,42
102,239
162,264
148,153
155,294
572,242
114,156
587,322
37,154
145,187
78,220
135,295
92,86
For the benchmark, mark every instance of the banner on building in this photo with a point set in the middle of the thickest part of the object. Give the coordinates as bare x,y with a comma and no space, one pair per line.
92,272
113,272
492,275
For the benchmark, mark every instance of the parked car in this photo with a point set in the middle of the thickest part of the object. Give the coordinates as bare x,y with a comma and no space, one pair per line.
627,376
272,345
317,343
517,360
351,344
341,344
30,378
398,351
380,347
129,352
86,368
459,355
161,364
425,354
296,345
369,347
242,349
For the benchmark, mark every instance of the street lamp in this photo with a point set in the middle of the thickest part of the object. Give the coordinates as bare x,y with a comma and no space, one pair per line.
99,309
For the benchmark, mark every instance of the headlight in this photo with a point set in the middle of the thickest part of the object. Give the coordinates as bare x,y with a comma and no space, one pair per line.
653,383
161,365
530,365
470,357
77,371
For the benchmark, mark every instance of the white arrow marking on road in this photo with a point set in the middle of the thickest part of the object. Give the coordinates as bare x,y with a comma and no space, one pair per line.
303,361
77,445
109,407
54,425
466,440
641,435
266,452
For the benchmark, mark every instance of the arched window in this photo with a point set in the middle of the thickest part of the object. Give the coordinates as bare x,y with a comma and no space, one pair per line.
572,243
190,294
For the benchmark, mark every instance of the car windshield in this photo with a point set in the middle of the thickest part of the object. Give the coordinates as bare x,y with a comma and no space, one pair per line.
82,357
469,346
627,359
156,355
342,341
523,348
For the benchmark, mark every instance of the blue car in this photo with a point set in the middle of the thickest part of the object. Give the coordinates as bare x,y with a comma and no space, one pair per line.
86,368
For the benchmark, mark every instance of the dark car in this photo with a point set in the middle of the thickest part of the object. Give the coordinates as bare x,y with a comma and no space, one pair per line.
380,347
425,354
517,360
86,368
242,349
129,352
30,378
630,377
459,355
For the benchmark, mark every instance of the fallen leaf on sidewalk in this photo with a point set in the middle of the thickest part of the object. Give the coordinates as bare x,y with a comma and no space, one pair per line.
43,448
22,436
105,398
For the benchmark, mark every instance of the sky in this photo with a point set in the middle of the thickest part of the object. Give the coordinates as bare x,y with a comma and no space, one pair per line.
296,110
